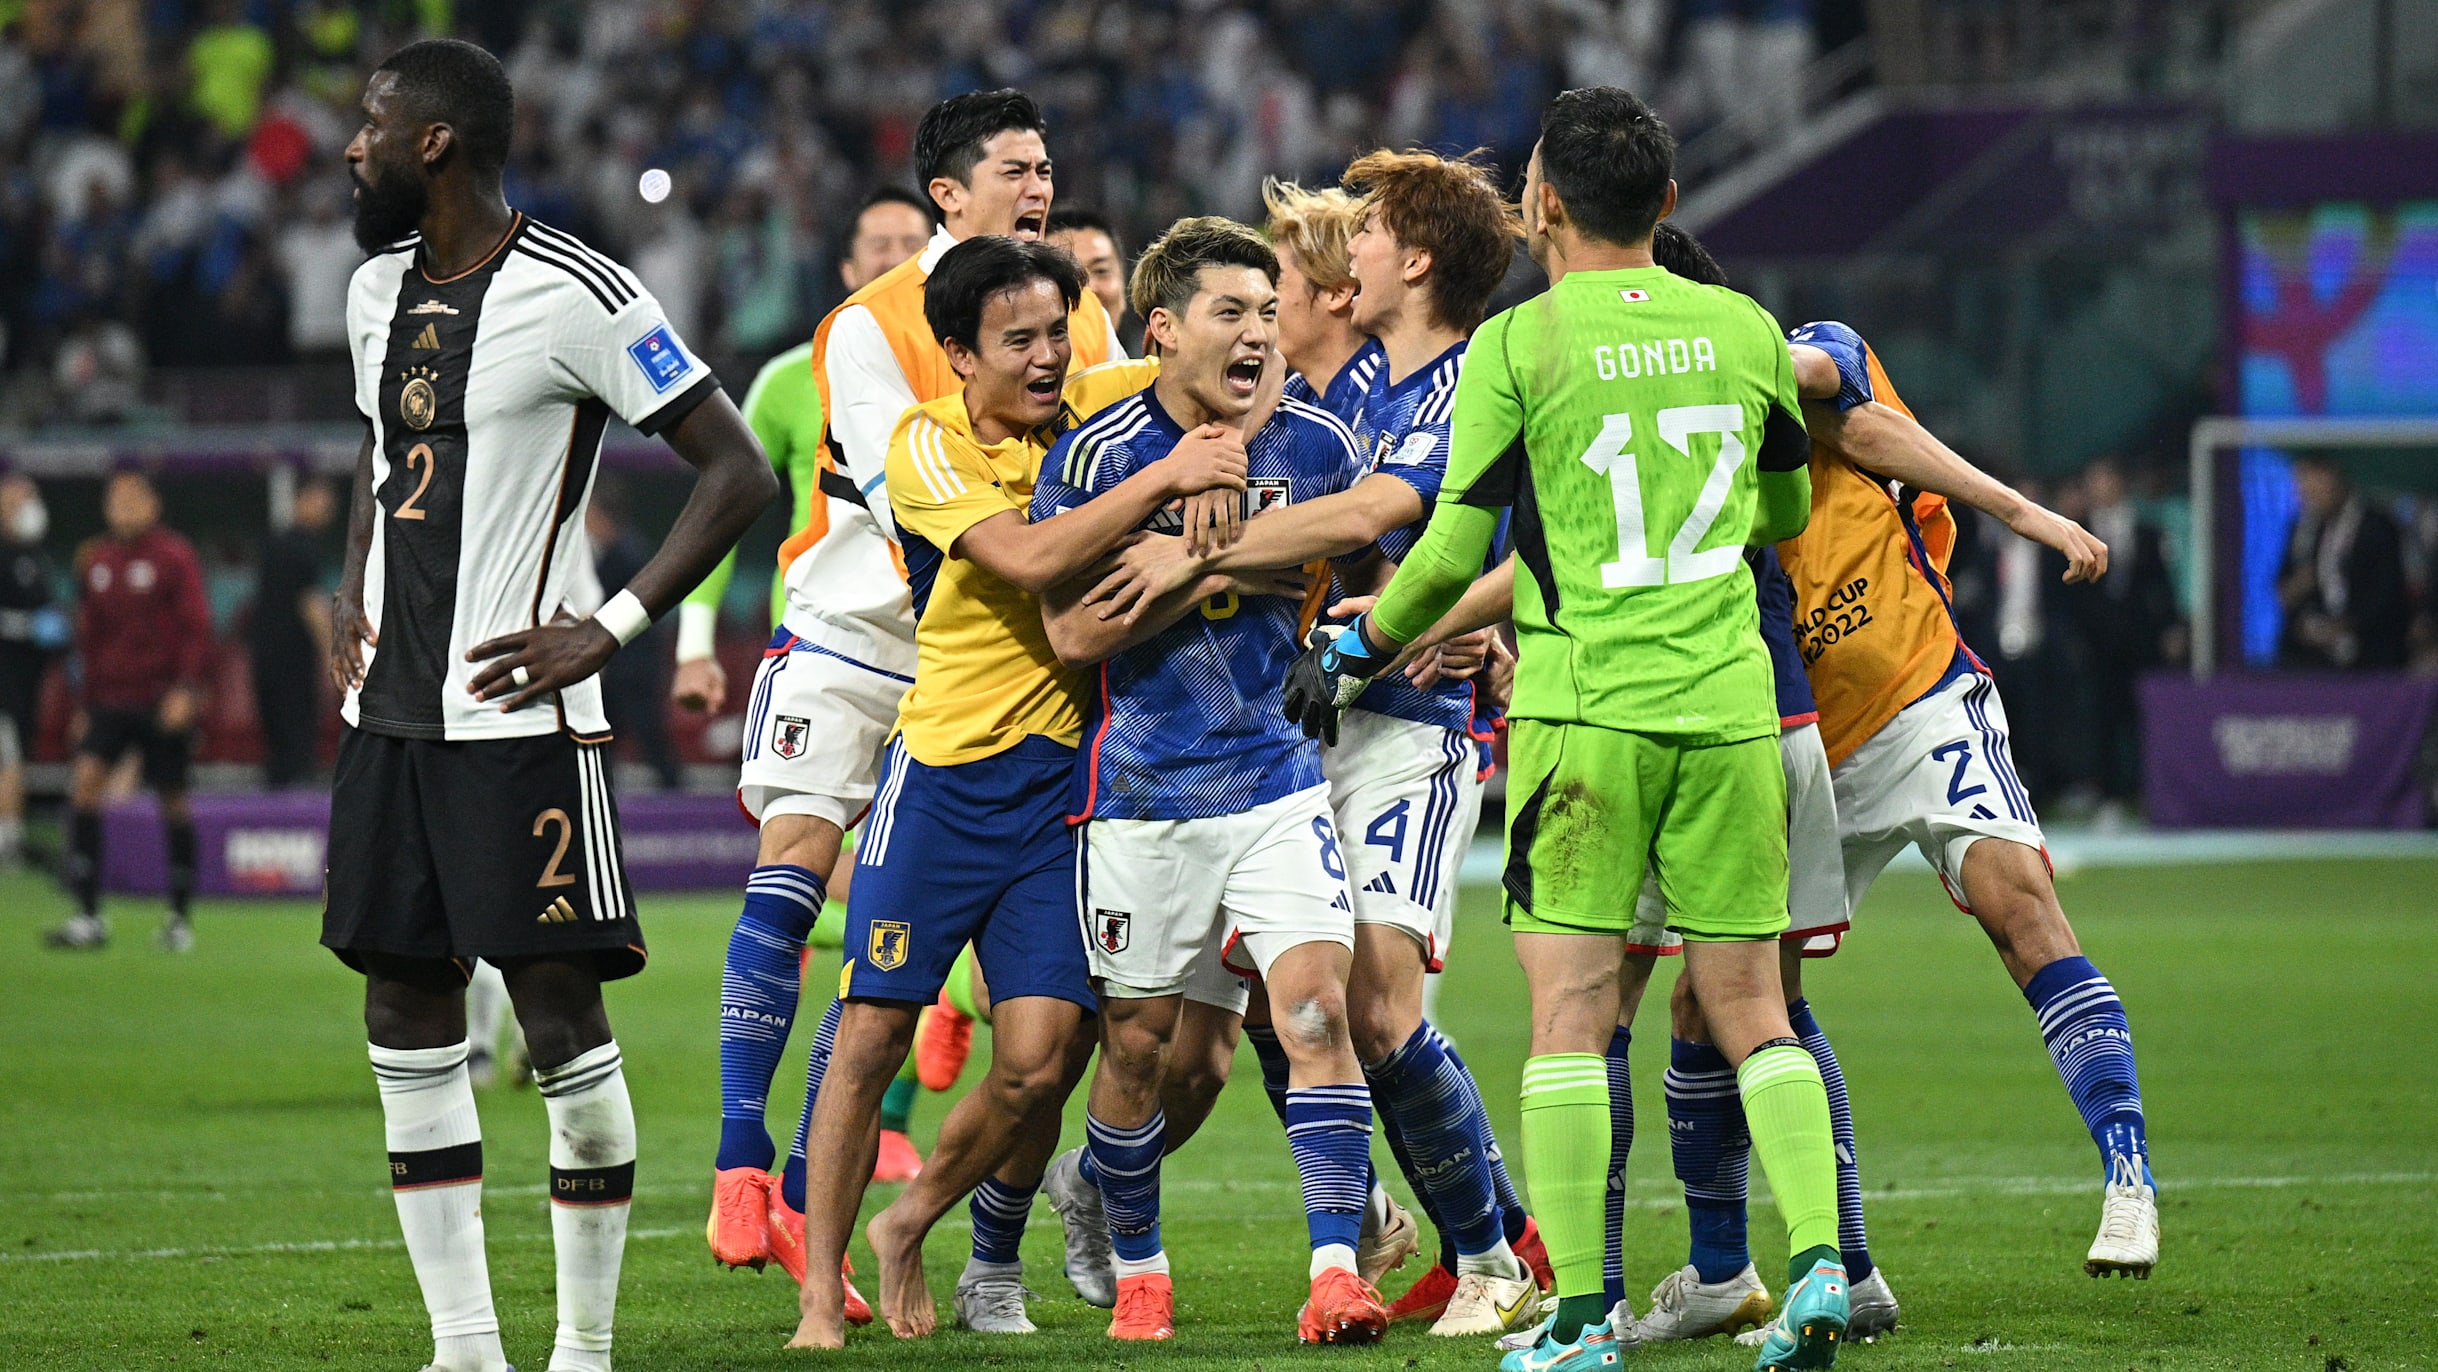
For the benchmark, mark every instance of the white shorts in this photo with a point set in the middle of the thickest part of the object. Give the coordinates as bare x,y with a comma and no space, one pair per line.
1816,907
1407,798
1186,906
814,728
1939,776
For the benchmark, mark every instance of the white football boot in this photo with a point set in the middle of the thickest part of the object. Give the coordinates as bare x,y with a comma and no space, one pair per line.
991,1301
2128,1241
1686,1307
1486,1305
1389,1237
1873,1306
1090,1255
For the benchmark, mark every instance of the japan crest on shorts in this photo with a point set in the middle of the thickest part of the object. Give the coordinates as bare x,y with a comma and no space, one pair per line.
787,736
1265,493
886,948
1111,929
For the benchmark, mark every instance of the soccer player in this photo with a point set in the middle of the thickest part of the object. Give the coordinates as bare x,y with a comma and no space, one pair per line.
1092,242
471,815
827,692
1644,730
1433,241
1917,740
1208,847
787,772
144,631
968,842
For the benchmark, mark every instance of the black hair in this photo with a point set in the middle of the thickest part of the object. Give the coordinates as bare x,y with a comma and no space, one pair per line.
897,195
950,139
1070,220
973,271
1683,254
1610,160
446,81
1169,272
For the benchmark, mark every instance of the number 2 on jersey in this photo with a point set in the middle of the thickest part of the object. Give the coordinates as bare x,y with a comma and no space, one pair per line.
1607,455
418,456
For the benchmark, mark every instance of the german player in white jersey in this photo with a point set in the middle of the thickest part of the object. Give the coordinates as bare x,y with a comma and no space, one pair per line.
471,816
1433,242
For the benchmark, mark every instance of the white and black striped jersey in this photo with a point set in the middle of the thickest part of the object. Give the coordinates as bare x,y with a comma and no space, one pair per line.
487,394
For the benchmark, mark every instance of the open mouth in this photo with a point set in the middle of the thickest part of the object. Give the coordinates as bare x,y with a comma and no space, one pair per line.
1243,376
1043,390
1029,224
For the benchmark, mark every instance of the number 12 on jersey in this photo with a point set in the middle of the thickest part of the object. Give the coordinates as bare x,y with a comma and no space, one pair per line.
1607,455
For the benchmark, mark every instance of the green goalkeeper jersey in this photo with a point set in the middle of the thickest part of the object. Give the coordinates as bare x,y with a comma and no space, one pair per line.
783,409
1643,429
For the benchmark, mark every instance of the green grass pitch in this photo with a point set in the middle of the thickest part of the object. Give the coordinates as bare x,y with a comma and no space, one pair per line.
191,1165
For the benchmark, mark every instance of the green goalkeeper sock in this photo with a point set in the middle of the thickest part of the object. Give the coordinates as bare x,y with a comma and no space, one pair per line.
897,1104
1565,1110
1786,1108
961,986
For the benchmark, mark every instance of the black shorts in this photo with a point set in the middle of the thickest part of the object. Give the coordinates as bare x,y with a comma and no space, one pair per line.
492,849
169,756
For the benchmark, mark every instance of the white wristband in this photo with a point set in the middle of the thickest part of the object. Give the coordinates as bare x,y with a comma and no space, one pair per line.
697,631
624,616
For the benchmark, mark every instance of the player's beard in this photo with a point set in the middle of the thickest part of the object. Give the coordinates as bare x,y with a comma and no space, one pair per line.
388,209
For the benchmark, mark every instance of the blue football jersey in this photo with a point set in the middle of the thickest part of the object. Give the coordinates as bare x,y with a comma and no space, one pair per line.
1347,389
1187,725
1776,593
1401,430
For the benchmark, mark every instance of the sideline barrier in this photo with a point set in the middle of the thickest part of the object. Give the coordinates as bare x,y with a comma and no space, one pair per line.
2291,751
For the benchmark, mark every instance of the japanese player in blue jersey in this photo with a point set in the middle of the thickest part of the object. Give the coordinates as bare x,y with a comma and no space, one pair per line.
1431,241
1207,837
968,839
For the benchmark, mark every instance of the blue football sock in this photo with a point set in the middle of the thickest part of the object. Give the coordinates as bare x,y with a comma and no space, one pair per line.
1620,1144
816,1063
1400,1150
1273,1061
2092,1045
1438,1109
1329,1132
998,1214
1512,1215
1125,1164
1853,1243
1713,1153
758,990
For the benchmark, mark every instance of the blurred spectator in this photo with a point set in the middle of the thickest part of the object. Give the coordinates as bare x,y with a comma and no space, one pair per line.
1748,58
2342,585
28,636
318,256
635,684
229,59
2125,620
144,639
290,635
2010,606
1090,240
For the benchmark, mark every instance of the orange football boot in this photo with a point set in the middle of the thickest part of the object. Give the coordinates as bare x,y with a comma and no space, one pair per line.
898,1162
942,1043
1343,1309
1146,1308
1426,1299
740,1211
786,1230
1535,1254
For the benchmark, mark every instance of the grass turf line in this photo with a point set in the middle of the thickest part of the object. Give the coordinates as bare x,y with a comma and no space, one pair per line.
219,1107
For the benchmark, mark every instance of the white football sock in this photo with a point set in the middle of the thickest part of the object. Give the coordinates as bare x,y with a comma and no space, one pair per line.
1500,1261
436,1169
592,1181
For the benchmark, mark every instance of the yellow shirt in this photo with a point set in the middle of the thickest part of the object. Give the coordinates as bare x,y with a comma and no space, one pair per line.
985,675
1093,389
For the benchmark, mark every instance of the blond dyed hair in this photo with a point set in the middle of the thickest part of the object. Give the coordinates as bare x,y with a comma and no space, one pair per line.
1315,225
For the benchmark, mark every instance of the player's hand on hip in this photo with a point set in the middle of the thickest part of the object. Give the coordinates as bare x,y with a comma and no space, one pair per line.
2086,557
700,685
350,633
533,663
1139,573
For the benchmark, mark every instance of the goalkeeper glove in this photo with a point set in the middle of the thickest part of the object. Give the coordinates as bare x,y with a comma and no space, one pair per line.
1327,678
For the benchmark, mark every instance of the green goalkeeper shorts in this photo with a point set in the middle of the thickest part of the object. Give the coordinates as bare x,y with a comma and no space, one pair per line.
1598,805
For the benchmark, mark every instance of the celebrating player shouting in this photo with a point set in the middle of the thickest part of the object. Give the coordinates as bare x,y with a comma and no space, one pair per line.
1641,428
968,842
1432,242
471,816
1207,835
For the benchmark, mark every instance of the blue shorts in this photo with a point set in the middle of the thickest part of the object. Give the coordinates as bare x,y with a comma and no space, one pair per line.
976,853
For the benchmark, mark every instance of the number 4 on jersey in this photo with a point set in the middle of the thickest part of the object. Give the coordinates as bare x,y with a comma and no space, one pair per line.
1607,455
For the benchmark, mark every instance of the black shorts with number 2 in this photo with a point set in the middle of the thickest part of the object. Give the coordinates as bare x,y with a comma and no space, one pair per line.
488,848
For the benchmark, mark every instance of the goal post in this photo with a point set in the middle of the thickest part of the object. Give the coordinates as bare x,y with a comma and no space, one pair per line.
2217,433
